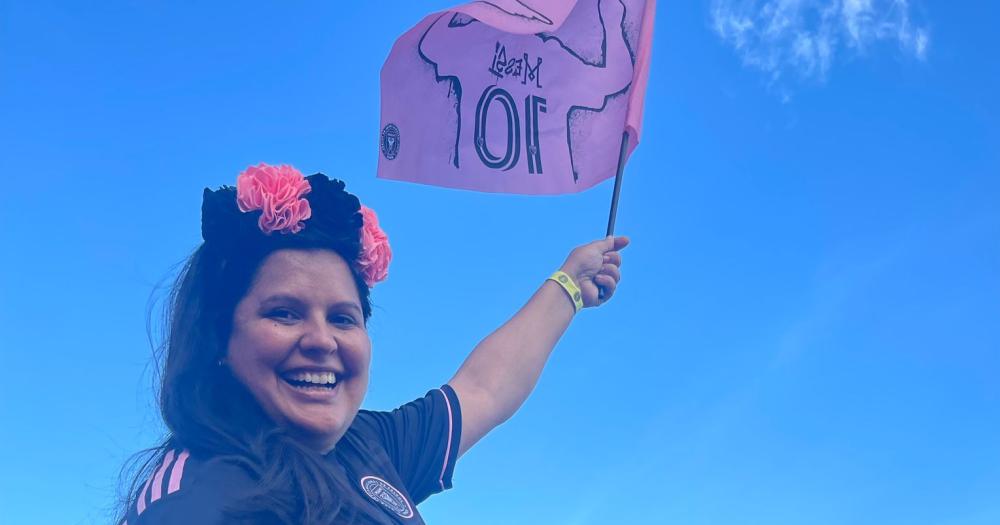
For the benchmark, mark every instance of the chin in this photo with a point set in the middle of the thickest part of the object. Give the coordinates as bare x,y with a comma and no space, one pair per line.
329,427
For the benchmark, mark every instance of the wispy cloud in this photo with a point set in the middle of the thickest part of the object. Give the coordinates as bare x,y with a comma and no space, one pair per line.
804,37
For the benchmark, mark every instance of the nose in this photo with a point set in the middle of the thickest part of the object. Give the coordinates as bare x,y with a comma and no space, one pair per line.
318,338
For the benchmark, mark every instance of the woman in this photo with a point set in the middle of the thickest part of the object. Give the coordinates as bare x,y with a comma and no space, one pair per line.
267,363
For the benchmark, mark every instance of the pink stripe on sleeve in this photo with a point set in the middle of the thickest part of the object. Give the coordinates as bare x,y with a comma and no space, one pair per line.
158,479
177,473
141,506
451,435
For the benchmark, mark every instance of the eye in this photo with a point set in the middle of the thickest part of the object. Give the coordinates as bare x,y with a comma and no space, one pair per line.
283,315
343,320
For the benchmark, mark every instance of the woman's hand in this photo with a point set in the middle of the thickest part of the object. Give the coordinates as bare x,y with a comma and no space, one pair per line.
595,267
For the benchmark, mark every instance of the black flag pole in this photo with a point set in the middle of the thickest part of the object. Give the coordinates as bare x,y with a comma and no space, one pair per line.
618,185
614,196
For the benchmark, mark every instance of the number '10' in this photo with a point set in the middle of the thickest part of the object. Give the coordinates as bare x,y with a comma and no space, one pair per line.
532,106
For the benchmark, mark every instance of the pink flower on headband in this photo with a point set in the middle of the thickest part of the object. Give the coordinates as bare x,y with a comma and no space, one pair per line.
278,192
373,262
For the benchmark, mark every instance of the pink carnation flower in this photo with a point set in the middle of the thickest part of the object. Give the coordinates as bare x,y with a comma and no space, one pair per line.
278,192
373,262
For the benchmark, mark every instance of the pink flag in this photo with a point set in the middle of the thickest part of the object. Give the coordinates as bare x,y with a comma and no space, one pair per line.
503,96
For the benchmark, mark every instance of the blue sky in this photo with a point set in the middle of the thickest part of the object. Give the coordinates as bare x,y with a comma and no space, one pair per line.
807,326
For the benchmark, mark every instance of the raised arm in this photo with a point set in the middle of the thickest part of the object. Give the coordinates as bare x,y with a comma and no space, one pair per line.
502,370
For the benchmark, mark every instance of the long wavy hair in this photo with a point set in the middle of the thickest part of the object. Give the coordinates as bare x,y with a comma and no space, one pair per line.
205,408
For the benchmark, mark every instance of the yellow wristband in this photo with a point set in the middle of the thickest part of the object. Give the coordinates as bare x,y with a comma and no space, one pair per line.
564,280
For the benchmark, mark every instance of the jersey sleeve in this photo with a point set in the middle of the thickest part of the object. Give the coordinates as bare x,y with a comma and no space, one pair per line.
421,439
188,509
190,492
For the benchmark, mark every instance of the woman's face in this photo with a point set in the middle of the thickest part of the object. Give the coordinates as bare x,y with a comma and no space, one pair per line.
300,345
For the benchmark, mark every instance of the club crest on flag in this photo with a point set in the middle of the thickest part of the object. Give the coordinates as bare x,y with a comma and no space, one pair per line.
507,97
389,141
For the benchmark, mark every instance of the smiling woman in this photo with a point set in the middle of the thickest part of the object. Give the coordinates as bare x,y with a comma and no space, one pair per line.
299,345
267,364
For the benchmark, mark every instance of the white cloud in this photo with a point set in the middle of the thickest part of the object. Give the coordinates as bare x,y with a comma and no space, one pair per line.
803,37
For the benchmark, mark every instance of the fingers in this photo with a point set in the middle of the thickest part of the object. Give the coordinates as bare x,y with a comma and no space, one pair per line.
607,284
607,281
611,271
598,277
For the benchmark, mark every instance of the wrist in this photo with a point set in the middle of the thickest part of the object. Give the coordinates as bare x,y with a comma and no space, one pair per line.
568,283
572,271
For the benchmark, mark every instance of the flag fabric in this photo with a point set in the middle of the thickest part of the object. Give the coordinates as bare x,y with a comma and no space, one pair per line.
503,96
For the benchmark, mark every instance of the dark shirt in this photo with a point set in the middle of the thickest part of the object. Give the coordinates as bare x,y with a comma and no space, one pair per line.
393,460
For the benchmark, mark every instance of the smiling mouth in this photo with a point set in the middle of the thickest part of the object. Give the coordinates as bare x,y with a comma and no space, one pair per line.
311,381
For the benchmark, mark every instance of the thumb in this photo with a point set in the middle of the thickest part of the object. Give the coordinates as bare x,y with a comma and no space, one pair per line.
611,243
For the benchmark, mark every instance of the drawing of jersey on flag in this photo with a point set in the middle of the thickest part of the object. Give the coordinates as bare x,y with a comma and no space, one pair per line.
498,111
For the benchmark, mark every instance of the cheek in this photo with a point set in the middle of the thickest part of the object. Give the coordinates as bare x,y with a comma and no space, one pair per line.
255,350
360,357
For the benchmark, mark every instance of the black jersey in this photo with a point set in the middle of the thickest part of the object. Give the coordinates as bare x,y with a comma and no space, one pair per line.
394,460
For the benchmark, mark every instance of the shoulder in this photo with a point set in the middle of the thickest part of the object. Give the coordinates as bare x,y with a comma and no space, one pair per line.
193,489
437,404
416,443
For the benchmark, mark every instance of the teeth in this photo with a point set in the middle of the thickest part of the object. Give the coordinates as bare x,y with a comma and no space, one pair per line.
323,378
